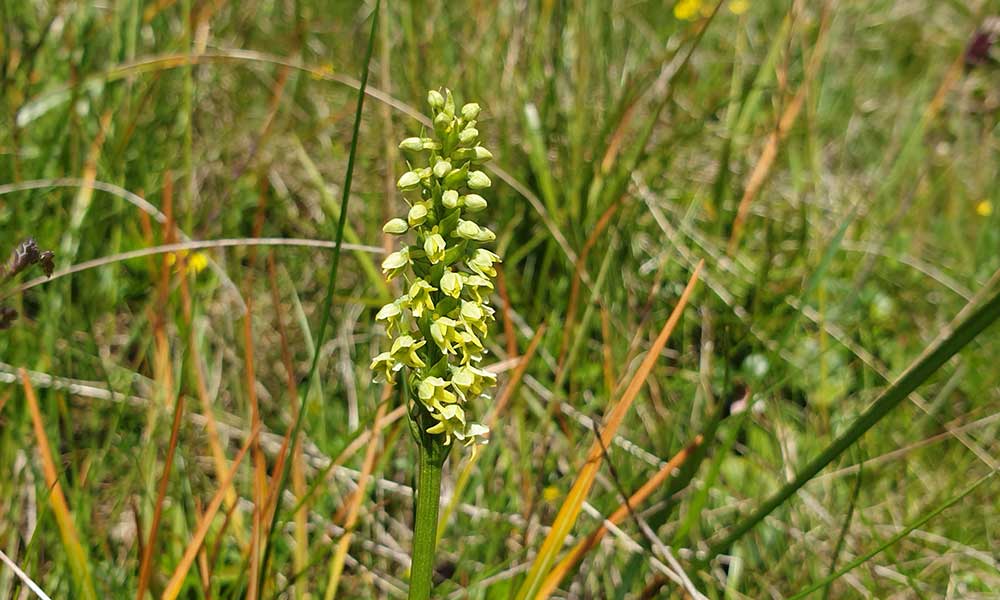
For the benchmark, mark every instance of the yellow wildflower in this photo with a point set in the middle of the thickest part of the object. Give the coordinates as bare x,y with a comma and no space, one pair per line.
687,10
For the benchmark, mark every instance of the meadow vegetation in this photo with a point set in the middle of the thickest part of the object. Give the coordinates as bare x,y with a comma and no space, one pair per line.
751,265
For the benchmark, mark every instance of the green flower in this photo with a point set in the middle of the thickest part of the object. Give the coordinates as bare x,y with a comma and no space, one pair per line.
482,262
443,333
482,154
385,366
475,284
433,392
470,346
467,230
412,144
451,424
391,313
473,316
408,181
470,111
447,325
404,350
474,433
420,297
469,381
396,263
451,283
435,99
468,136
417,214
442,168
473,202
434,247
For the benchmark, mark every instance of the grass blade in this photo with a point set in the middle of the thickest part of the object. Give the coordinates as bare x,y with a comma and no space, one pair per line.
334,266
31,585
76,554
902,534
570,508
585,545
173,587
919,371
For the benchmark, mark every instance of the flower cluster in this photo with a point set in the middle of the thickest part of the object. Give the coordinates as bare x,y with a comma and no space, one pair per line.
437,327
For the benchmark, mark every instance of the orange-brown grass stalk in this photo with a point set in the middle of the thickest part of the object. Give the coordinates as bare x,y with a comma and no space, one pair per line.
570,509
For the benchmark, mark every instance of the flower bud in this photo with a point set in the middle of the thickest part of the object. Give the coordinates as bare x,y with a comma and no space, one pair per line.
470,111
482,154
468,136
467,230
478,180
441,168
417,215
395,226
431,144
408,181
474,202
412,144
450,199
441,124
435,99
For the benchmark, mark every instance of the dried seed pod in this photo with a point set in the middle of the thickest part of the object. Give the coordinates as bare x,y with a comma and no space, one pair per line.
25,255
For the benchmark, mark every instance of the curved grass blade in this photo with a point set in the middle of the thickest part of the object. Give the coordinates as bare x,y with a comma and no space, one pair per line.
331,284
570,509
902,534
76,553
926,365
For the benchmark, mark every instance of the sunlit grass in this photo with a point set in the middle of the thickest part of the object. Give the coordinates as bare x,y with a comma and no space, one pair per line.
832,164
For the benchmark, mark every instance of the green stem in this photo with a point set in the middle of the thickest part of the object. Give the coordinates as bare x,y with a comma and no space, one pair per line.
425,525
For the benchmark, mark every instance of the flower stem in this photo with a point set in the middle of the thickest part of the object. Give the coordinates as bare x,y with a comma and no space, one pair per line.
425,524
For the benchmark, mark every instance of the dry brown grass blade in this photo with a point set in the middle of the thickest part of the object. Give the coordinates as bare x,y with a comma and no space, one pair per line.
579,272
510,335
354,507
145,568
260,496
570,509
163,372
762,169
201,388
176,581
515,377
300,554
576,554
75,552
